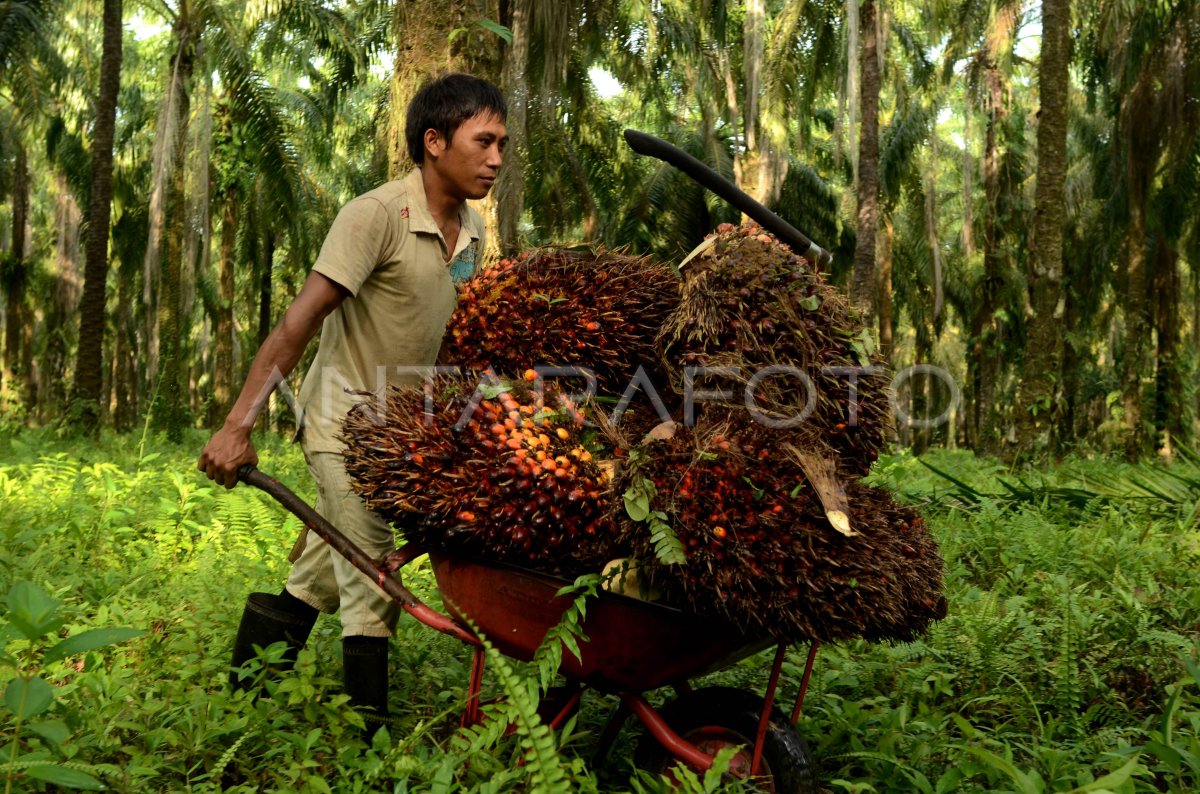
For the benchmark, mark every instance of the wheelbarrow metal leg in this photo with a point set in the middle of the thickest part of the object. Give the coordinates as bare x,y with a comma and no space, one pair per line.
571,706
808,666
472,715
612,728
768,704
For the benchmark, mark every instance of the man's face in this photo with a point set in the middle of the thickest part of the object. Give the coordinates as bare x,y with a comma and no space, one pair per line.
468,163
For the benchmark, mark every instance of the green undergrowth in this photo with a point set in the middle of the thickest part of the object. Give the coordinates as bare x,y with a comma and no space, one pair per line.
1067,661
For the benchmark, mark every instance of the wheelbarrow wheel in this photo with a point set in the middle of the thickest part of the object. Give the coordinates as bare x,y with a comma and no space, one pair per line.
718,717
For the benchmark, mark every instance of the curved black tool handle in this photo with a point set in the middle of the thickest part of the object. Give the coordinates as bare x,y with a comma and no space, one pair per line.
648,145
379,574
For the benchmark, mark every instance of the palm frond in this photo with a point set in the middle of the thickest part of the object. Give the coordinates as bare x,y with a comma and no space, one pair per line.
65,149
258,108
22,29
900,140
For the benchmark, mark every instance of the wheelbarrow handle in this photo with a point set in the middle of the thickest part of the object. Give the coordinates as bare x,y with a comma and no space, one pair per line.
650,146
378,571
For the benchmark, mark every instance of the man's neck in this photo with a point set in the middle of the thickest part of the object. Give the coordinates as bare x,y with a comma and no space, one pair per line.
443,206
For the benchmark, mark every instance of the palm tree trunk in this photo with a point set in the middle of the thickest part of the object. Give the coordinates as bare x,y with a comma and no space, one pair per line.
1064,433
886,239
735,116
752,49
65,303
223,375
88,365
1141,157
510,188
28,368
1195,337
853,97
267,253
863,287
591,216
171,411
1136,328
124,366
756,162
167,134
1168,396
1037,392
968,190
985,350
766,162
931,231
921,386
14,275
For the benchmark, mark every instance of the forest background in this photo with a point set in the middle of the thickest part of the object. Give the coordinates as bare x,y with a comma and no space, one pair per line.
1010,191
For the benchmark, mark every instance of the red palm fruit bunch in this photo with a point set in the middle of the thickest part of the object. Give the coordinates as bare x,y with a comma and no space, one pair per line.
760,551
492,472
563,308
750,303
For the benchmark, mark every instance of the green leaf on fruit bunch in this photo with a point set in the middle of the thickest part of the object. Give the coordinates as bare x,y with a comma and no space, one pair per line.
547,298
868,341
638,497
28,697
667,547
90,641
759,493
811,303
491,391
864,347
32,610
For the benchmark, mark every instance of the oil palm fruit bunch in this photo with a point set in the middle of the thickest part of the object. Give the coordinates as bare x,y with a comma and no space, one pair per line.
758,549
752,305
563,308
486,469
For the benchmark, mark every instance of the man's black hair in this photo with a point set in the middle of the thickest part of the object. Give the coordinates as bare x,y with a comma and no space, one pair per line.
444,104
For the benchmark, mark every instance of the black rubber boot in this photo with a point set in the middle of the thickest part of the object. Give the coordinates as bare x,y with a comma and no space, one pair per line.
269,619
365,669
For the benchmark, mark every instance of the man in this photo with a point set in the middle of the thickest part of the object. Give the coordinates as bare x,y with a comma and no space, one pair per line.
381,292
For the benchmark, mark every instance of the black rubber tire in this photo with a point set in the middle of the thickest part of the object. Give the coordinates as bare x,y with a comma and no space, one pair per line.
717,715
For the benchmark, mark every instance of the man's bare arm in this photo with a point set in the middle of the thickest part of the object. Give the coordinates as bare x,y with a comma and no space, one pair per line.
230,447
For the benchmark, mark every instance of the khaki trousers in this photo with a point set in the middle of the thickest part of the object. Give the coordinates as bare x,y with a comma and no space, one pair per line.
326,580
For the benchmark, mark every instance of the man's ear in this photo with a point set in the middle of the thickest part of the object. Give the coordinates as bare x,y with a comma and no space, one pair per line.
435,144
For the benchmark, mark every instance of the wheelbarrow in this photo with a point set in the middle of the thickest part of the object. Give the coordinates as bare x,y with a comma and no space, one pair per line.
633,648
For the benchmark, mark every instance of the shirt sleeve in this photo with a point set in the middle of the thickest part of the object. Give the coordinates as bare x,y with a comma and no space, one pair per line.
354,244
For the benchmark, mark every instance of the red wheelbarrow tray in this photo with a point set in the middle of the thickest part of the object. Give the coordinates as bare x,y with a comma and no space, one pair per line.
634,646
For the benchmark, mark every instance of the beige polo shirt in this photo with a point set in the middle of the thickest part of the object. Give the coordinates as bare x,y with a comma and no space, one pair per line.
386,250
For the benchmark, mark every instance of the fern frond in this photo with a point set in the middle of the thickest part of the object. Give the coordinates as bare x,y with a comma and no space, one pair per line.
567,633
545,768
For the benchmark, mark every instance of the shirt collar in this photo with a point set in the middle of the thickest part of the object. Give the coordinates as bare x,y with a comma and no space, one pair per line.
420,219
